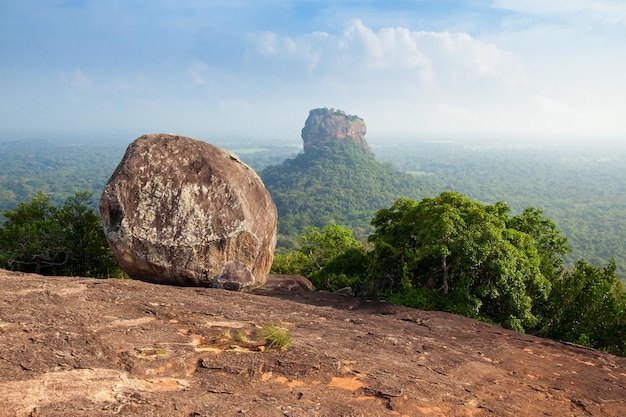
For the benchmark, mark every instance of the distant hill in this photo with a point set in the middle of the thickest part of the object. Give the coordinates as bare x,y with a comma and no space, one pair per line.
337,179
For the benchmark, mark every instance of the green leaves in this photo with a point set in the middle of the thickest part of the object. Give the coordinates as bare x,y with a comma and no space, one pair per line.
88,250
463,250
40,238
336,182
31,238
553,247
332,254
588,306
331,258
453,254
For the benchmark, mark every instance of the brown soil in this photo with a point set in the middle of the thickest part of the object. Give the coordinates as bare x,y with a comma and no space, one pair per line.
86,347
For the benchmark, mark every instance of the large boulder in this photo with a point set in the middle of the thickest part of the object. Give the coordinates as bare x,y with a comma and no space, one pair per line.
183,212
327,125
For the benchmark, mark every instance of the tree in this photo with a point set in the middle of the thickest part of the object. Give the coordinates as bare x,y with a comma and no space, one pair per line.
40,238
552,244
30,239
458,255
88,251
331,258
588,306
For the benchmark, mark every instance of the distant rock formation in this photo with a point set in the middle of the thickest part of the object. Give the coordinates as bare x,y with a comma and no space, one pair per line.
340,182
184,212
324,125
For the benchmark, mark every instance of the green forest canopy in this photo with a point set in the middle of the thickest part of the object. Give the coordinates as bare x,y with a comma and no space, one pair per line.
56,240
453,254
581,188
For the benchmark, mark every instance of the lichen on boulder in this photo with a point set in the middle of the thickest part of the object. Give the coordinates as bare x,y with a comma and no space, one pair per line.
184,212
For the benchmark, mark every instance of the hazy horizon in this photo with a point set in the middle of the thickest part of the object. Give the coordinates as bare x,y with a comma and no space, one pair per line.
443,69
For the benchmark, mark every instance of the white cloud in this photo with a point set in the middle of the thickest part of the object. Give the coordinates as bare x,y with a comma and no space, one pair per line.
455,112
390,48
550,104
77,79
303,50
605,11
395,77
197,71
390,54
547,66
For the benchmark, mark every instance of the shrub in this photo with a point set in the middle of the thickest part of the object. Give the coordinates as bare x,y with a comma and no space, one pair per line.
276,336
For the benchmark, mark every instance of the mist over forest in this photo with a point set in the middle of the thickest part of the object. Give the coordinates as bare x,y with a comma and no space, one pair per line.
580,185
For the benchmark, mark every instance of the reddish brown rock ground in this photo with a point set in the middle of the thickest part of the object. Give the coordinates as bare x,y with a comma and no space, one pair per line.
85,347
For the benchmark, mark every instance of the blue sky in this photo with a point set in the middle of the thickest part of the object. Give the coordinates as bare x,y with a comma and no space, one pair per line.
534,69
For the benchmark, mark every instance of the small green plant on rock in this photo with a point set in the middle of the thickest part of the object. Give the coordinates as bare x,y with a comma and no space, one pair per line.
242,337
226,333
275,336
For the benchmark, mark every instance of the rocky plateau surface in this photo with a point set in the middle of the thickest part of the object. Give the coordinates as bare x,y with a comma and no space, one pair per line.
88,347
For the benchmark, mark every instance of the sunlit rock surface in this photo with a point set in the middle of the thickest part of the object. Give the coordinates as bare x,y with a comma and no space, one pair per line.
326,125
184,212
